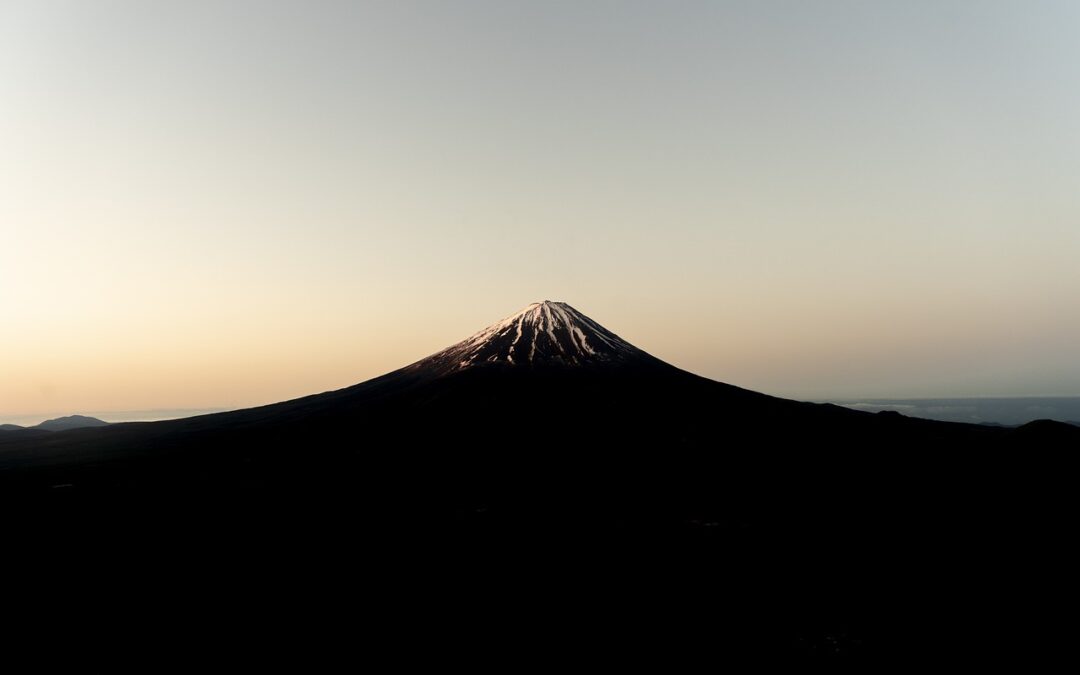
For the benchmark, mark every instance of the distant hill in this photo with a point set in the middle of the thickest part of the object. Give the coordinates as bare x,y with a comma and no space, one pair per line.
59,424
71,422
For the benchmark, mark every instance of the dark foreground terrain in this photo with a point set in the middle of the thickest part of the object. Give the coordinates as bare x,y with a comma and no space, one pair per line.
617,503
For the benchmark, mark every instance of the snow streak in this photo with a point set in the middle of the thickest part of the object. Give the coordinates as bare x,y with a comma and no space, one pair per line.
554,332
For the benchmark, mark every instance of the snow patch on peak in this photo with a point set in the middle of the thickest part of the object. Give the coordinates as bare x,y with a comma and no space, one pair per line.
542,333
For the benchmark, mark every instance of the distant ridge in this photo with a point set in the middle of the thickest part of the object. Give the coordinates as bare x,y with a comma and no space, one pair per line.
59,424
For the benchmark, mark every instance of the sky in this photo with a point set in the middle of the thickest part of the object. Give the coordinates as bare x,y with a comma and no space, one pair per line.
223,204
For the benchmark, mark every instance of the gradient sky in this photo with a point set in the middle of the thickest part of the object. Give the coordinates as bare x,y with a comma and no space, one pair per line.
230,203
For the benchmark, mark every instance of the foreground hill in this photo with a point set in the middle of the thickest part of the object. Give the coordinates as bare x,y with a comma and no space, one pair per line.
545,452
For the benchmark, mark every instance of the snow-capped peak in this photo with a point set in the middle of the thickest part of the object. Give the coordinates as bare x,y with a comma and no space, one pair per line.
543,333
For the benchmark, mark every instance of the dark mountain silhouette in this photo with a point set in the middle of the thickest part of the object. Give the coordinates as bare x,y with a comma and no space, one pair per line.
545,466
70,422
59,424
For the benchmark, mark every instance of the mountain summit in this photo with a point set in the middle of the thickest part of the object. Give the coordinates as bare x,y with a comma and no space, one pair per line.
542,335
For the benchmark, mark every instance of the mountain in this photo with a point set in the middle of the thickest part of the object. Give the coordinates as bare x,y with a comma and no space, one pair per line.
70,422
544,335
59,424
545,466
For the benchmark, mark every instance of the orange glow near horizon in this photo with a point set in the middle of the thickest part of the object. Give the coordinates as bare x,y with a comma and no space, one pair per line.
203,210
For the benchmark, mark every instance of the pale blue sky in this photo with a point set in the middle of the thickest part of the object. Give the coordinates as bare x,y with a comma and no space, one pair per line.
228,203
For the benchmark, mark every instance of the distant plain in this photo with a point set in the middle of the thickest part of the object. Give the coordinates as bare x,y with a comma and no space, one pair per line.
1006,411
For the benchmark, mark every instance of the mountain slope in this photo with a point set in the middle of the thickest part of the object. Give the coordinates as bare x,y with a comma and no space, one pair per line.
546,362
544,460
